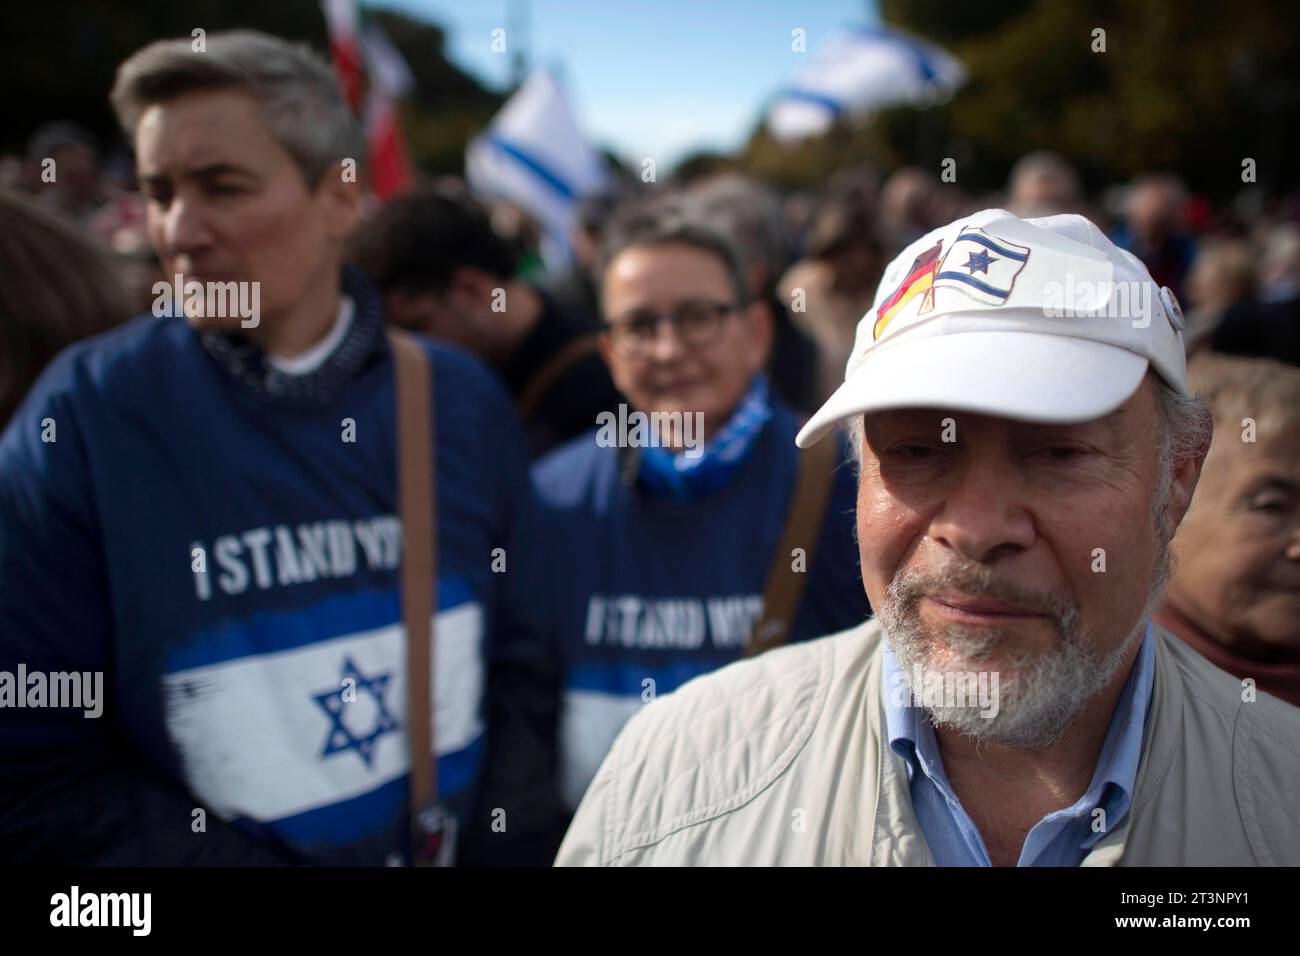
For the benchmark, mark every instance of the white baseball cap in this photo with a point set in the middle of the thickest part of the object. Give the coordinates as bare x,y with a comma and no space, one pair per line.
1041,320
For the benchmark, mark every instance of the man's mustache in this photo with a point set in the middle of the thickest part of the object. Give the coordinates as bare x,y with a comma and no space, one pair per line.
977,581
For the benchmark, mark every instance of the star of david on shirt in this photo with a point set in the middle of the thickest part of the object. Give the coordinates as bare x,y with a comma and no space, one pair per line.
341,737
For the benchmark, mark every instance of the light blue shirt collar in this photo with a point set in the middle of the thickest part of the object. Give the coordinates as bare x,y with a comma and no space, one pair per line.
1062,837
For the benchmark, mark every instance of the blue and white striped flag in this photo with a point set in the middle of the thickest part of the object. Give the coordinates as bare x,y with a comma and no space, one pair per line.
533,155
859,72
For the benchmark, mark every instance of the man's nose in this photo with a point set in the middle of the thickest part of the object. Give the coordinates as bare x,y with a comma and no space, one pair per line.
1293,547
185,229
667,344
984,516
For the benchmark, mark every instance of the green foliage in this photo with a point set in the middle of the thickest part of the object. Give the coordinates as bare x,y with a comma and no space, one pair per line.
1186,85
60,58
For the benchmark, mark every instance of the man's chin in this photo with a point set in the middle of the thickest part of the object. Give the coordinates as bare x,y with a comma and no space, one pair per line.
1012,667
678,403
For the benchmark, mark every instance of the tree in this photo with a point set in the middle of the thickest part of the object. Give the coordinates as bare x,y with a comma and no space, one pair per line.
60,59
1183,85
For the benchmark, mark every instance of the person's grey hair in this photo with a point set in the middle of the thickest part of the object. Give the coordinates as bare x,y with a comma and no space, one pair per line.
298,91
750,214
1186,428
668,222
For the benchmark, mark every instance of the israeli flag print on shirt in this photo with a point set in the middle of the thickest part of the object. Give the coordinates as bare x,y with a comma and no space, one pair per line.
980,266
296,720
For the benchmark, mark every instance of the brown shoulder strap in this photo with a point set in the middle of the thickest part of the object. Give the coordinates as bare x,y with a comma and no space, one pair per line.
416,494
803,526
536,388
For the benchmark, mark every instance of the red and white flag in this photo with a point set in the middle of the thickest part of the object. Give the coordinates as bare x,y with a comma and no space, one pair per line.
369,54
341,21
390,80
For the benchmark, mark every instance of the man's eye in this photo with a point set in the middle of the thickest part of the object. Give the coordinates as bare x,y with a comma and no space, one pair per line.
641,328
1063,452
1275,506
696,313
223,189
914,452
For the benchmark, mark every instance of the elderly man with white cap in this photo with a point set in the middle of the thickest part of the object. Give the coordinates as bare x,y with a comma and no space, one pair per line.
1027,446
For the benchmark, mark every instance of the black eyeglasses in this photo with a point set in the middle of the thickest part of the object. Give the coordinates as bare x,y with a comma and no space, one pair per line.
696,323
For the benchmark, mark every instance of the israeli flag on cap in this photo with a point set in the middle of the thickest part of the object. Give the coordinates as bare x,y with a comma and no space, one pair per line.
982,267
532,154
859,72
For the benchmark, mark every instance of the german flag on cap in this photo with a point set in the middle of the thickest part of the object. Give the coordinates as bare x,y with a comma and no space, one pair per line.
919,278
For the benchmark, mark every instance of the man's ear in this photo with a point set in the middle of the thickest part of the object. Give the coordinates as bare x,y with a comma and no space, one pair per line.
1186,476
606,346
471,285
757,316
341,202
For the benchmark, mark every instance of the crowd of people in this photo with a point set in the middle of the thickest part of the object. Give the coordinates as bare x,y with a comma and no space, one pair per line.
207,511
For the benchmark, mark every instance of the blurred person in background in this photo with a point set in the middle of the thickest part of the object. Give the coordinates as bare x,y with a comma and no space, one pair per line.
750,214
907,207
951,202
76,189
1270,327
58,285
574,290
445,272
1043,184
832,286
204,511
1220,283
798,209
672,551
12,172
1155,230
122,223
1235,592
513,224
1279,266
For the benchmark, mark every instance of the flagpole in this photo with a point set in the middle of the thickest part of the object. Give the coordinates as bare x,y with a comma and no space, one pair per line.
518,17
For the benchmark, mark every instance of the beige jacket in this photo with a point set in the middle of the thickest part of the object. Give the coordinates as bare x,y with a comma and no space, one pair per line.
782,760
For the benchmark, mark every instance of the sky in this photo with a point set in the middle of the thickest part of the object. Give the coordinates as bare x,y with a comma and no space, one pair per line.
655,79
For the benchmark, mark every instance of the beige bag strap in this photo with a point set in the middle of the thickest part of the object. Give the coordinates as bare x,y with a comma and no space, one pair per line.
803,527
416,496
546,376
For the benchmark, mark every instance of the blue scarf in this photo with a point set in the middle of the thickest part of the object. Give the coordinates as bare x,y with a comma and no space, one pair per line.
664,473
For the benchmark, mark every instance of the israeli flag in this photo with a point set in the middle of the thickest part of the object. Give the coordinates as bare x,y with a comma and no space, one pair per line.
307,735
980,266
533,155
860,72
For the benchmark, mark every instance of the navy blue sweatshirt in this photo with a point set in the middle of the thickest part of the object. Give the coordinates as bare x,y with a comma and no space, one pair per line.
654,592
222,543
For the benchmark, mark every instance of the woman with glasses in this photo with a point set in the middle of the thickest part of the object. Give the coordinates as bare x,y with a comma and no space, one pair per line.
670,524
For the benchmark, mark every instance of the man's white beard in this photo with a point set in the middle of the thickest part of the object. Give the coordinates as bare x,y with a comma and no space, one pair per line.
1040,694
